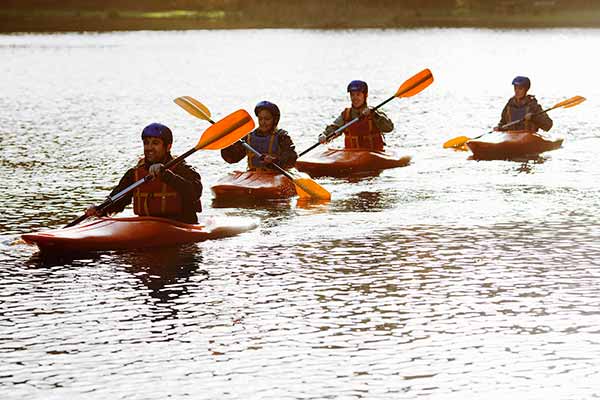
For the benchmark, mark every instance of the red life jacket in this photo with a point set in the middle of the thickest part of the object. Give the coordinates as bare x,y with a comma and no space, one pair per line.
155,198
362,134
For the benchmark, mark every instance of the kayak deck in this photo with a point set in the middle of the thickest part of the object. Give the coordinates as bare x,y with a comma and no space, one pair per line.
511,144
344,162
254,184
135,232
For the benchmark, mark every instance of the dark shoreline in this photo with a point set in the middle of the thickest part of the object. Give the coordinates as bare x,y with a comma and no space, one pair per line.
59,20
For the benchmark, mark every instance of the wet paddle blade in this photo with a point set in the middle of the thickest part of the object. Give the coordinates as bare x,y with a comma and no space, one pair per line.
416,84
572,102
193,107
456,142
226,131
307,188
301,193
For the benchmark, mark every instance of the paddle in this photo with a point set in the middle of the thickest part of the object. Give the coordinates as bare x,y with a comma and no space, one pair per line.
222,134
305,187
409,88
459,141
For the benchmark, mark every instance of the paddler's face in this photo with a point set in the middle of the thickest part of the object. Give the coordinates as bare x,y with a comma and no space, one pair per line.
520,92
155,150
358,99
265,121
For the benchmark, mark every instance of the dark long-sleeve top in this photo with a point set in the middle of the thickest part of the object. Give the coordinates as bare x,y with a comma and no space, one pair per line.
285,156
514,111
182,178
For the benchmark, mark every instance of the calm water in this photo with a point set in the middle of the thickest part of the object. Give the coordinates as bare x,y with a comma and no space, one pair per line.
449,278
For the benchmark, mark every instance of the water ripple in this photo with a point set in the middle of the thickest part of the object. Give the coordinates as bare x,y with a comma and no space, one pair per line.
448,278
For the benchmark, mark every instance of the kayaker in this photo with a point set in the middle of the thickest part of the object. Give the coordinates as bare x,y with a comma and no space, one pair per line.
173,193
365,133
524,106
273,143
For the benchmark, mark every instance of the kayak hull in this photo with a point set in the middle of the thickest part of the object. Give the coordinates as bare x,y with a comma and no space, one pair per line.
345,162
135,232
511,144
254,184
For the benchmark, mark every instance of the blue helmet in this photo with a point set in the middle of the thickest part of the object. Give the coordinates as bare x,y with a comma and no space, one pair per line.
522,81
158,131
358,86
271,107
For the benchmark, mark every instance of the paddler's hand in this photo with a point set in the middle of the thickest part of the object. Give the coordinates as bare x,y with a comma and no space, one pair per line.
156,170
323,138
267,159
365,112
92,212
496,129
528,116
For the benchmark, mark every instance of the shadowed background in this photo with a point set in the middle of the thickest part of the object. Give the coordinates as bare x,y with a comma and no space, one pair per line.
85,15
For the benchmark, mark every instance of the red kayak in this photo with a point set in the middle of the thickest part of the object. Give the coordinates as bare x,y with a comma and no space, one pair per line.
254,184
344,162
511,144
135,232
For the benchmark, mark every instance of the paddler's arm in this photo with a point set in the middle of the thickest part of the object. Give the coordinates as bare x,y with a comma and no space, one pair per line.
382,121
119,205
503,118
185,180
542,120
233,153
323,137
288,155
339,121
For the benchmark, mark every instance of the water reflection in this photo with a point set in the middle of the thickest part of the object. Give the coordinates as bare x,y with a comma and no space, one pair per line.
47,260
166,271
447,265
368,201
252,203
360,176
534,158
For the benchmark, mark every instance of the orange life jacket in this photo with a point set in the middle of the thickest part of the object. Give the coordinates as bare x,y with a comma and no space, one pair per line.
155,198
362,134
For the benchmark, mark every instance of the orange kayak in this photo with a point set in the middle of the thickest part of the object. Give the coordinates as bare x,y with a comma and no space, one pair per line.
135,232
254,184
511,144
344,162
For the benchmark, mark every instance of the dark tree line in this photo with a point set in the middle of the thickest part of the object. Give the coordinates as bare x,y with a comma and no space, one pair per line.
306,5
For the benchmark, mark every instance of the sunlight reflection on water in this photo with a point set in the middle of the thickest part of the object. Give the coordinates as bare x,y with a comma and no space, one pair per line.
449,277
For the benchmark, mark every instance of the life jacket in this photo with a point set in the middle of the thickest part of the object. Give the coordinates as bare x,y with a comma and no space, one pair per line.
362,134
155,198
517,112
267,144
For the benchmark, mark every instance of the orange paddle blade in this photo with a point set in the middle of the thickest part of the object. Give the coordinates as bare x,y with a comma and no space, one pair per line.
307,188
301,193
572,102
456,142
226,131
415,84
